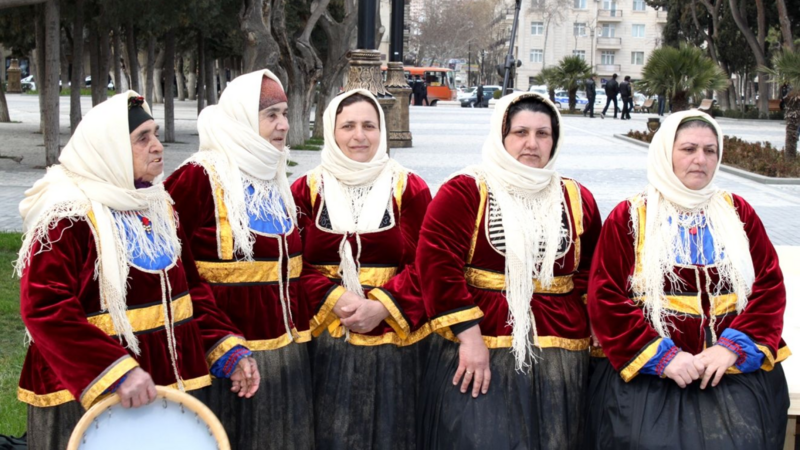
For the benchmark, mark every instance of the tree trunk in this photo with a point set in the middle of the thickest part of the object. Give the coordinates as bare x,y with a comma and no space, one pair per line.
201,73
260,49
222,73
4,116
679,101
119,84
786,25
191,77
94,63
41,40
158,71
75,113
150,66
64,61
133,59
179,78
792,116
104,59
210,79
52,140
169,95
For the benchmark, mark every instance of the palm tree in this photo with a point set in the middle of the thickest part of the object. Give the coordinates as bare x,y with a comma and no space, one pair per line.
571,73
549,77
682,73
787,70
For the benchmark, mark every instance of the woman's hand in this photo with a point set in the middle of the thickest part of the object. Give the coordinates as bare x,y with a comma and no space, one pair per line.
364,317
473,362
717,360
347,305
684,368
246,378
137,390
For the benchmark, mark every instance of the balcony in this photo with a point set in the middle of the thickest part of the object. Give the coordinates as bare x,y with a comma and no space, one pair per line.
661,16
609,43
609,15
607,69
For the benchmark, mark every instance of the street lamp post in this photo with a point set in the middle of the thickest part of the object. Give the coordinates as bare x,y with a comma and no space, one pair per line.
469,63
396,84
510,57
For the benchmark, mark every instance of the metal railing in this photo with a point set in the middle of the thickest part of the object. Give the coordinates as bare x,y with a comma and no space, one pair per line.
609,42
615,13
607,68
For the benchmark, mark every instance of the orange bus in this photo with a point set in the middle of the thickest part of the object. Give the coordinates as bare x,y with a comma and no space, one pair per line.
440,80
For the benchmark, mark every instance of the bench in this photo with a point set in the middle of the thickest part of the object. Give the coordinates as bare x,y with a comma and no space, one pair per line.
774,105
789,258
645,106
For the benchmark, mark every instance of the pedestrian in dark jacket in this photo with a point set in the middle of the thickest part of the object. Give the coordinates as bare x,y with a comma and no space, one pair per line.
625,92
612,89
479,96
591,93
417,90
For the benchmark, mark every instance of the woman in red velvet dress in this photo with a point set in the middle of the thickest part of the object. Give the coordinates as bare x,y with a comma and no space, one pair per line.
503,264
360,214
111,299
241,224
686,298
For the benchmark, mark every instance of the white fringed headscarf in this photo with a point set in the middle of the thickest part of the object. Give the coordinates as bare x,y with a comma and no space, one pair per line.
235,155
95,175
666,199
530,200
357,194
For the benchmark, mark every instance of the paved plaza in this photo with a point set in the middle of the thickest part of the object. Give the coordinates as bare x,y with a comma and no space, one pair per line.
445,140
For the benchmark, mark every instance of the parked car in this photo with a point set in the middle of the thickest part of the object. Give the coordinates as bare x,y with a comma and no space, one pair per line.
88,82
472,100
466,92
29,83
562,100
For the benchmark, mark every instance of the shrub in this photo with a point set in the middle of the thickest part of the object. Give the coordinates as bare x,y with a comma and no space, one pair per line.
757,157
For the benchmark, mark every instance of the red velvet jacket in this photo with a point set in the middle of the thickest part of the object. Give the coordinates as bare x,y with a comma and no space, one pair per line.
463,276
74,355
248,292
619,323
387,259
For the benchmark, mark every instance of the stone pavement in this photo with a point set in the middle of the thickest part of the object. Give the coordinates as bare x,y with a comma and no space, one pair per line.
445,140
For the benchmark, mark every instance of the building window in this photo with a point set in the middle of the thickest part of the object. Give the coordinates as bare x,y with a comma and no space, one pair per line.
537,56
531,81
637,58
537,28
609,30
639,5
610,5
580,54
579,29
638,30
607,57
579,4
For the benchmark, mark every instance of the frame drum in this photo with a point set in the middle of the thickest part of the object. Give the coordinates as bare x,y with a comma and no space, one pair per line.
175,420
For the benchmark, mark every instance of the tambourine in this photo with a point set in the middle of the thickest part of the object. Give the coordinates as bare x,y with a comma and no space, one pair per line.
175,420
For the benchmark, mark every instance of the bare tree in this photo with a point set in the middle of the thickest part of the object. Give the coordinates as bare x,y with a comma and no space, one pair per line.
75,114
52,140
786,25
133,56
158,71
169,96
756,44
4,116
260,49
180,79
553,13
713,8
449,29
150,65
191,77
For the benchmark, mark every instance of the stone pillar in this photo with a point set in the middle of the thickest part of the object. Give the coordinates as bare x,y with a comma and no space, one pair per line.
365,73
14,75
399,133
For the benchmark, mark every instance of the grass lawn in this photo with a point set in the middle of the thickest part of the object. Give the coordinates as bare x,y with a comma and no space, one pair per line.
13,415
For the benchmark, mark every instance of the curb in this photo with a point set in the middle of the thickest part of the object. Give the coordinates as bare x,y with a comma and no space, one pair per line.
726,168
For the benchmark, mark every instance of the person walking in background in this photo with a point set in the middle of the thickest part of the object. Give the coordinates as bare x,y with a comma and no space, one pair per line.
662,102
612,89
625,92
423,91
479,95
417,90
591,93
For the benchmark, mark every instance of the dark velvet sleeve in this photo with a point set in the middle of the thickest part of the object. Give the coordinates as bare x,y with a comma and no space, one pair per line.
190,189
762,319
320,292
592,223
624,334
401,295
83,357
443,250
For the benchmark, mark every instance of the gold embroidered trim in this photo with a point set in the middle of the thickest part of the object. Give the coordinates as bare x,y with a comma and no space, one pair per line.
106,379
632,369
223,346
389,338
399,189
367,276
484,192
575,203
278,342
224,232
395,319
148,318
44,400
194,383
769,361
312,186
485,279
597,352
325,315
494,342
465,315
236,272
690,304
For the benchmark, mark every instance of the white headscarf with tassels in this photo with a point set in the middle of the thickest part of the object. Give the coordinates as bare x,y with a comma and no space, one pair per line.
347,184
530,200
236,156
95,175
666,199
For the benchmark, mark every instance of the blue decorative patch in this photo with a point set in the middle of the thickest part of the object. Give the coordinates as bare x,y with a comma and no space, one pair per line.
701,242
271,224
163,260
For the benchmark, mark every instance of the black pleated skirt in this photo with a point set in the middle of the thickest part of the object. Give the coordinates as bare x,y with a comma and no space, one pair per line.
540,409
746,411
279,416
51,427
365,397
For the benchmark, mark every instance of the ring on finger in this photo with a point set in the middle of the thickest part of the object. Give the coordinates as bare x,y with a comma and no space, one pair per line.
469,372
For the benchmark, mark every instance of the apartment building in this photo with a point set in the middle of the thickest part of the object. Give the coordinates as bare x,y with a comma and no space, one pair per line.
613,36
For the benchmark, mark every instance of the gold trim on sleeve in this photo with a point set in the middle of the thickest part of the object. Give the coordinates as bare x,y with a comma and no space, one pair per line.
147,318
194,383
374,277
224,232
496,281
464,315
399,189
484,192
495,342
109,376
395,319
223,346
44,400
254,272
632,369
390,338
325,315
576,204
